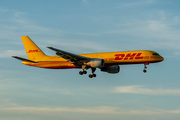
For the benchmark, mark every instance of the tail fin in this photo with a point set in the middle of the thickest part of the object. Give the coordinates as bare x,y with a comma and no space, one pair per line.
32,50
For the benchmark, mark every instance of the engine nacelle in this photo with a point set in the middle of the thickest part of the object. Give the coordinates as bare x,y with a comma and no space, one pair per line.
111,69
96,63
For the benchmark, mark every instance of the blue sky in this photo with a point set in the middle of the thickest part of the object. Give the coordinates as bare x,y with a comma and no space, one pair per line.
87,26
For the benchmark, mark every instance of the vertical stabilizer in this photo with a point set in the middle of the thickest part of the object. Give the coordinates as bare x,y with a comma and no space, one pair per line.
32,50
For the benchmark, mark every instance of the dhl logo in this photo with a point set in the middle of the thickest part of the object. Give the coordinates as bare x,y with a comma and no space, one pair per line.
32,51
129,56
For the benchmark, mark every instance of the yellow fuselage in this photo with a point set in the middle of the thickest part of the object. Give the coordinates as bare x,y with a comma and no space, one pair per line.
110,58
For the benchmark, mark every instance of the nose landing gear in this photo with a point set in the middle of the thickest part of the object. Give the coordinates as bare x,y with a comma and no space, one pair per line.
145,67
144,71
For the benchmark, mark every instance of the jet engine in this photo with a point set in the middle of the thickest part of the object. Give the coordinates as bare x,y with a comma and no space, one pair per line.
111,69
96,63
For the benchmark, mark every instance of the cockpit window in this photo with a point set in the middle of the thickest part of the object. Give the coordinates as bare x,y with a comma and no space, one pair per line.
156,54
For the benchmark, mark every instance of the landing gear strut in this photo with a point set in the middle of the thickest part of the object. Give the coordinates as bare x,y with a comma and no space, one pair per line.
145,67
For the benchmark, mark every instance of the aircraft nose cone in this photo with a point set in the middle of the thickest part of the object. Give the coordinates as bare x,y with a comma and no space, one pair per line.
162,58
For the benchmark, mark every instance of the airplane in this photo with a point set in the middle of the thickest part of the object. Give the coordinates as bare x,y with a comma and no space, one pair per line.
107,62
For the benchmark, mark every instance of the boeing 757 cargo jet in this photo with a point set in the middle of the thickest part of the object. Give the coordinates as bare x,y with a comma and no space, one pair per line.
107,62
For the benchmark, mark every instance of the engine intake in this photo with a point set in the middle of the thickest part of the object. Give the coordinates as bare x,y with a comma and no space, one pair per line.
112,69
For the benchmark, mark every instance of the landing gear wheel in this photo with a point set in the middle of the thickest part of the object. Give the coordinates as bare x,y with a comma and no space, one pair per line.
84,72
90,76
94,75
81,72
144,71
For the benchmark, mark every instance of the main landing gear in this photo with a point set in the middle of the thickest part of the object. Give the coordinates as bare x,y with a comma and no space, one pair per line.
85,72
82,72
145,67
92,75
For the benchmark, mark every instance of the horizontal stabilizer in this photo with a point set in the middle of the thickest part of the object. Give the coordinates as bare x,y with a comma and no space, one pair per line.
23,59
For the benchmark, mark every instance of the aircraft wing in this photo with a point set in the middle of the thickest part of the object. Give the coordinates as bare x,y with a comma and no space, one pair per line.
23,59
76,59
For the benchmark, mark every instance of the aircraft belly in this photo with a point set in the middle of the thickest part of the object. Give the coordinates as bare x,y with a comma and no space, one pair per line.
52,65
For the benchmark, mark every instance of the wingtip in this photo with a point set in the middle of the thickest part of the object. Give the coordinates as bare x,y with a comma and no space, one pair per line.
50,47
